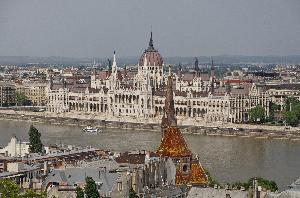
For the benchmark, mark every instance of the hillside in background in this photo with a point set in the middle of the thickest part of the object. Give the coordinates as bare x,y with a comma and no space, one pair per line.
222,59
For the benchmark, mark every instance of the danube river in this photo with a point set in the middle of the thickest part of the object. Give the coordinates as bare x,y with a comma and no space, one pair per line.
229,159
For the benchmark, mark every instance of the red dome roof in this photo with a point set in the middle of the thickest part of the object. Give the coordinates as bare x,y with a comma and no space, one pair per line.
152,55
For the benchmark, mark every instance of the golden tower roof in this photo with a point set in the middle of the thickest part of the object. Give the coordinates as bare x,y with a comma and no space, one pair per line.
173,144
196,176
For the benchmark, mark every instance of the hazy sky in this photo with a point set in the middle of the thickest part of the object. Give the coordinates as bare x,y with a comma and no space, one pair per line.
95,28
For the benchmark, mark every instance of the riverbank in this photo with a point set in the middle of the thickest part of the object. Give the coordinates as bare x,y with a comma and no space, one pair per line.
188,126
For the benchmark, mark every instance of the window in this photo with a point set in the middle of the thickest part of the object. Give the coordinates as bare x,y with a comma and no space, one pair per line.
120,186
185,168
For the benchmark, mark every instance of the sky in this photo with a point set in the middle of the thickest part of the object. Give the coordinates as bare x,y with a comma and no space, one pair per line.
95,28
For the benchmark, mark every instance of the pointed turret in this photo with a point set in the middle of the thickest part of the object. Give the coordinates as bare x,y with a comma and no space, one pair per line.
179,72
114,64
196,66
169,119
212,77
51,82
64,83
151,46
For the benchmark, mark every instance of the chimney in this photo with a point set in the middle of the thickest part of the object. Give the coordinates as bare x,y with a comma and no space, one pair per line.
46,168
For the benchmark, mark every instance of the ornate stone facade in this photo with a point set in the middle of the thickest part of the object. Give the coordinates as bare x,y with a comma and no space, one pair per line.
118,93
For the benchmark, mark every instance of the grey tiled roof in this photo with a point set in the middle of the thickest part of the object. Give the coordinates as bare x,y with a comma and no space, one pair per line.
71,176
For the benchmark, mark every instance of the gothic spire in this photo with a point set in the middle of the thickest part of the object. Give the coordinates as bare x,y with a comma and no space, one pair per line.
114,64
151,47
212,75
196,64
169,119
114,61
51,82
212,63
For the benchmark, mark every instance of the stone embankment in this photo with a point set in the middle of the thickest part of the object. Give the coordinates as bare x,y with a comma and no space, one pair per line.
188,126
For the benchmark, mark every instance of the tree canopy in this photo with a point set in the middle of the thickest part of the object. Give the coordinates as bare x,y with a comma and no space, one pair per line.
79,192
264,183
20,99
90,188
291,118
292,114
36,145
257,114
132,194
9,189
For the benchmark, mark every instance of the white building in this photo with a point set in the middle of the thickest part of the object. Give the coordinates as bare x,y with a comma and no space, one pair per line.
15,148
119,93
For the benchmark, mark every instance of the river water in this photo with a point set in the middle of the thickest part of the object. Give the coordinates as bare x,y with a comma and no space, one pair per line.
229,159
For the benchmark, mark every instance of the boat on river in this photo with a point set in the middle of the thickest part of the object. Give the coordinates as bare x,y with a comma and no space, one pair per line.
91,130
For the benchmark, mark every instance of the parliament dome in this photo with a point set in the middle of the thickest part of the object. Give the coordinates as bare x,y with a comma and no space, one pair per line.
151,55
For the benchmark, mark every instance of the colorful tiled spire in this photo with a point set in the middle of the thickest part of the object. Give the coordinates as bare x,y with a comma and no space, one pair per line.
169,119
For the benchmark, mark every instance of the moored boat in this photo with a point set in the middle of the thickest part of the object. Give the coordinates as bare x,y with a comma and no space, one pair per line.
91,130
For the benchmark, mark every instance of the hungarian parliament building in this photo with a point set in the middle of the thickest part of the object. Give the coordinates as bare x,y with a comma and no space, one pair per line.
120,93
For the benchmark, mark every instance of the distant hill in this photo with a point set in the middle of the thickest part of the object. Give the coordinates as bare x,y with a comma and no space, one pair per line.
222,59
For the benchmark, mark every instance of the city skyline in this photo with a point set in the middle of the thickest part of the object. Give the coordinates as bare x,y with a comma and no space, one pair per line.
204,28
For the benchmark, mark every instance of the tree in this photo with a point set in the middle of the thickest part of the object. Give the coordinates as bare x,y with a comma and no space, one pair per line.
32,194
290,102
296,109
268,184
291,118
20,98
79,192
264,183
273,109
90,188
132,194
9,189
36,145
257,114
211,181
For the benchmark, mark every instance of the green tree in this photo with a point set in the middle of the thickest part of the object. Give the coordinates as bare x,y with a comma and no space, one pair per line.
273,109
211,181
79,192
290,102
9,189
32,194
257,114
291,118
20,98
90,188
296,109
264,183
132,194
36,145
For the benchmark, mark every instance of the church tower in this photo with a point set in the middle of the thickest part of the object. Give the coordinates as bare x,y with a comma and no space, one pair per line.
173,145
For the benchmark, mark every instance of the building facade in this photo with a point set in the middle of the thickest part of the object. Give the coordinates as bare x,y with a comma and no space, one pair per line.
7,94
34,92
15,148
117,93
